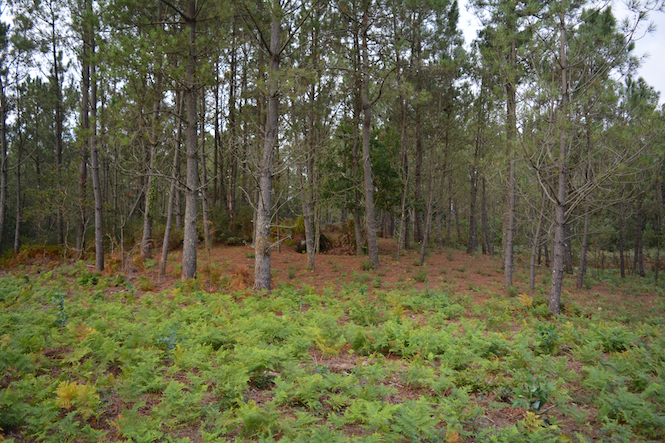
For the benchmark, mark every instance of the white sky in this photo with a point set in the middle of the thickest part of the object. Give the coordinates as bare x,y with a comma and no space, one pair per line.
652,45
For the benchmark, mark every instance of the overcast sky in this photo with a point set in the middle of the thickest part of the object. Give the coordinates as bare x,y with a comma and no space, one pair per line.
652,45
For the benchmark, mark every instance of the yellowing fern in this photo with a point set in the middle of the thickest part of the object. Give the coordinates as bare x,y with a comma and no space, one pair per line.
83,398
66,392
525,300
81,331
532,422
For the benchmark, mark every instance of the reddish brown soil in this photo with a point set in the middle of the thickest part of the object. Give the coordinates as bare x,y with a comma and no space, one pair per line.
477,275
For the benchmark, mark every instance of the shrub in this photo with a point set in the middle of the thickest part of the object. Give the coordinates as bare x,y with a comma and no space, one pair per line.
420,276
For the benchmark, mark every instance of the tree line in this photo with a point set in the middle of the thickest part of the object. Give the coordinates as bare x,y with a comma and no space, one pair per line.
127,125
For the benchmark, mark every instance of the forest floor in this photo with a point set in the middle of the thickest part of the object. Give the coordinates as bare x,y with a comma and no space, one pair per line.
476,275
339,353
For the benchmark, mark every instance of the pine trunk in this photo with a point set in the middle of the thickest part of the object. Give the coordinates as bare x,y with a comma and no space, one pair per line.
204,179
583,251
94,164
560,204
488,248
146,241
536,245
58,125
622,260
173,191
85,125
192,180
3,158
372,246
638,258
511,136
264,204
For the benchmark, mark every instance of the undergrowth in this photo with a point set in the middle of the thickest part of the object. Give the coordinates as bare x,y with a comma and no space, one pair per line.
99,361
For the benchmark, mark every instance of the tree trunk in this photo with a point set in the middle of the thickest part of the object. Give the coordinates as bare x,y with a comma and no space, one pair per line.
638,259
472,243
354,150
511,136
585,245
232,161
457,228
149,202
622,261
488,248
659,227
536,245
85,125
312,234
146,241
418,193
204,179
19,160
263,206
449,209
560,204
404,161
3,159
308,208
568,247
58,125
94,164
509,224
192,180
372,246
416,55
173,190
428,221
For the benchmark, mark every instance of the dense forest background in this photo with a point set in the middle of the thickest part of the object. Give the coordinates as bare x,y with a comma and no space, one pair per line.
128,126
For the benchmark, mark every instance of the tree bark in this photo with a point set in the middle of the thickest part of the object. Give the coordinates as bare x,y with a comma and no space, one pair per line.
308,206
372,246
418,193
428,221
449,210
262,244
488,247
354,150
622,261
560,204
312,235
404,158
94,163
232,161
204,180
3,159
638,258
19,160
585,244
146,241
85,127
536,245
192,180
568,248
511,136
472,243
173,190
659,226
58,123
